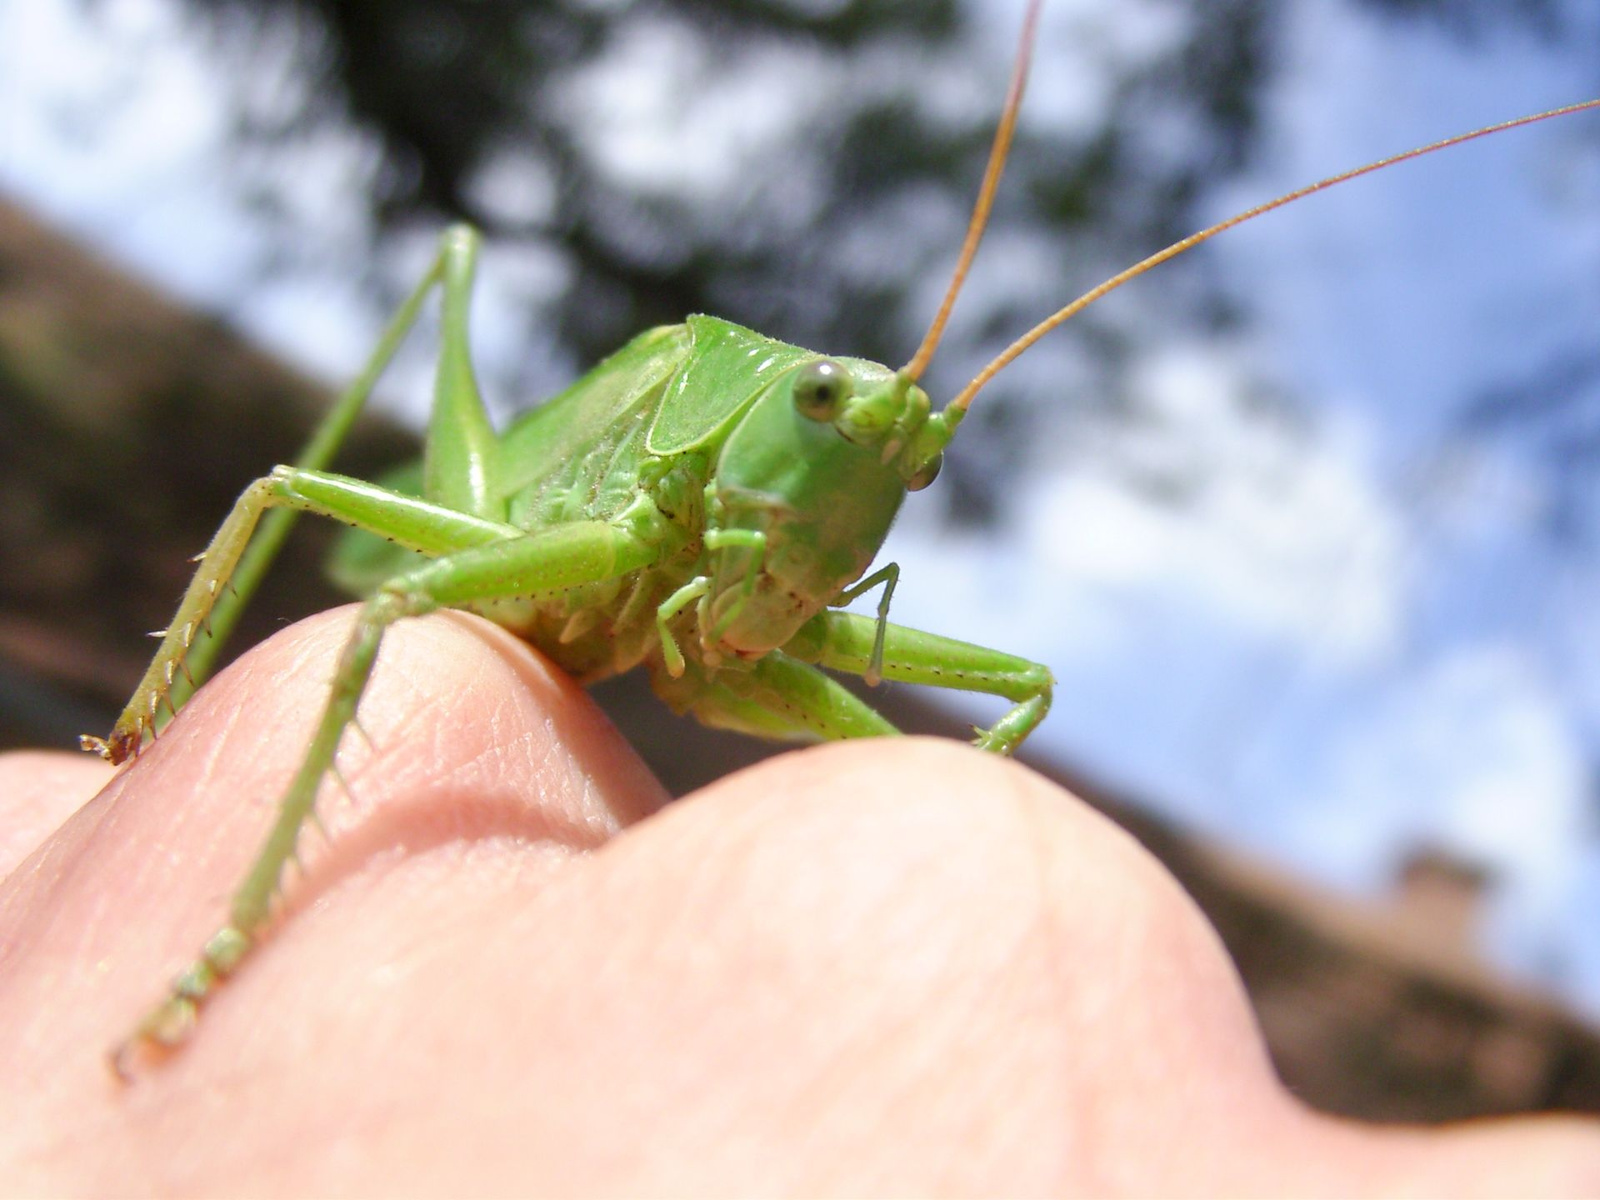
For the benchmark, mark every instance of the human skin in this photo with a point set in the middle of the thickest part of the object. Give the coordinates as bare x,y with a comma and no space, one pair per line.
895,967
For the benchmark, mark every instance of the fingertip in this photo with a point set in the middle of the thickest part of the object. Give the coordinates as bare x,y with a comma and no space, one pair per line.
944,967
929,849
1019,838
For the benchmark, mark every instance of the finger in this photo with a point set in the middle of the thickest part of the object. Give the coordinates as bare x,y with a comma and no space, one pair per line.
956,978
882,966
915,968
39,789
476,743
885,965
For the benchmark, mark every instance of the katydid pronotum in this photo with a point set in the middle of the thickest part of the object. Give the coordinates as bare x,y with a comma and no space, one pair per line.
701,503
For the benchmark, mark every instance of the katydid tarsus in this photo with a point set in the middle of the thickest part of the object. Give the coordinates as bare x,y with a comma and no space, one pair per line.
701,504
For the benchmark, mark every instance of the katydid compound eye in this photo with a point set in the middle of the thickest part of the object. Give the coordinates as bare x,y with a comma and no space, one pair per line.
926,474
820,388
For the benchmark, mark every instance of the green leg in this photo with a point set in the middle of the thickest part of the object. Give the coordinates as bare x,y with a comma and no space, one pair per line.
778,697
459,519
413,523
846,642
459,460
526,564
464,453
889,576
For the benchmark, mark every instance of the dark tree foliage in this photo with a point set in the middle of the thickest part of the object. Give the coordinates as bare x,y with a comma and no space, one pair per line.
818,243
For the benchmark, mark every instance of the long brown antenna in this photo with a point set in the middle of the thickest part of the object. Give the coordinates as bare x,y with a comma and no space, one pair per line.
991,181
1011,352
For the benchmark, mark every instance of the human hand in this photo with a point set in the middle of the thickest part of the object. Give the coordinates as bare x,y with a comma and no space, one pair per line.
889,966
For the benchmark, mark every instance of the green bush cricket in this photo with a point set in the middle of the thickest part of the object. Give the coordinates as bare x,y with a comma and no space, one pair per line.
680,507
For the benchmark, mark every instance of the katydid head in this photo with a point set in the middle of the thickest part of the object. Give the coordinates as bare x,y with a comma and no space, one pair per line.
880,411
807,485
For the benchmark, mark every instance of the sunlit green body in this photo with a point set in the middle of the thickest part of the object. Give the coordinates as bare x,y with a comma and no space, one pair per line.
688,437
621,432
699,503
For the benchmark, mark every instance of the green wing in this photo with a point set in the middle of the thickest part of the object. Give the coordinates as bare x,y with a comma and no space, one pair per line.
728,367
570,425
564,429
699,376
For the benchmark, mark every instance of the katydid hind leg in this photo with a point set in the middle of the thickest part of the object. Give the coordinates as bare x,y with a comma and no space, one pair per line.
460,460
452,263
849,642
482,559
288,491
560,557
